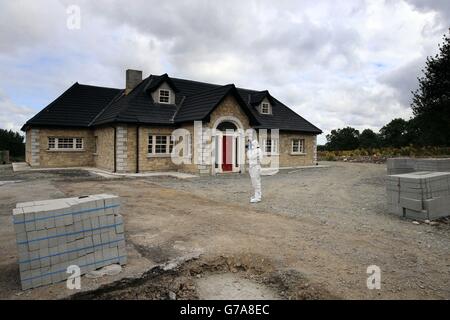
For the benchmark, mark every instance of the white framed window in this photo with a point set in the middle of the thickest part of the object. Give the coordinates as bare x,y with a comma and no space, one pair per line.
298,146
78,143
164,96
160,144
51,143
265,108
270,146
65,143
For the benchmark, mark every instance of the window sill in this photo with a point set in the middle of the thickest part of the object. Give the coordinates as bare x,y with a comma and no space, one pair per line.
66,150
298,154
266,154
158,155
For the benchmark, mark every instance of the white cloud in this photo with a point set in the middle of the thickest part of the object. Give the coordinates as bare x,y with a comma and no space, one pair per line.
12,116
349,64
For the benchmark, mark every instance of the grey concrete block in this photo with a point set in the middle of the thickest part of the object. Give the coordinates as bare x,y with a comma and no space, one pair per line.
29,224
25,266
119,228
104,237
98,255
110,219
19,228
438,207
33,245
416,215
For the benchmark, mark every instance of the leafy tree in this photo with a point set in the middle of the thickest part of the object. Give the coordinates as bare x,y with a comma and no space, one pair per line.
395,133
12,141
343,139
368,139
321,147
412,135
431,101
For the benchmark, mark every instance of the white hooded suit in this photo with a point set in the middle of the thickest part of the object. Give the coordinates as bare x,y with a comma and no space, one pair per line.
254,155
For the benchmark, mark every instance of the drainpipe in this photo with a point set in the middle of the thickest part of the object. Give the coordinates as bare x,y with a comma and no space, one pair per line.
137,149
114,148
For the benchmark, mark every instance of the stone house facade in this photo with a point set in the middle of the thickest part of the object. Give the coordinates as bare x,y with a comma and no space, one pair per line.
166,124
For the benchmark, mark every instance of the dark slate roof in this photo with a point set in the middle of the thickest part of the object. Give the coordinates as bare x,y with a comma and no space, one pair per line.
138,107
194,101
155,81
76,107
256,98
282,117
200,105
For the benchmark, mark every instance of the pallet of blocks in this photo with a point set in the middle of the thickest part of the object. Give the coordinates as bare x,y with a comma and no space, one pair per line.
419,195
52,235
400,165
433,164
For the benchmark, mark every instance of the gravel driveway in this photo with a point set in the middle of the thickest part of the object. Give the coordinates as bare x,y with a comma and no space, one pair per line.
326,224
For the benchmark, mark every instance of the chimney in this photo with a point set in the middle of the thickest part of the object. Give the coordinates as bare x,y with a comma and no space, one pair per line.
133,78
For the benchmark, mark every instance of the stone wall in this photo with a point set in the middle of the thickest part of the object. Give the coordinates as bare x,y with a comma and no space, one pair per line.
229,108
122,148
37,153
131,145
287,159
35,146
104,157
152,162
42,157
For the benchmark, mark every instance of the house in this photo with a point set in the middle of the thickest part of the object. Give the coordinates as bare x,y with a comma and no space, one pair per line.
132,129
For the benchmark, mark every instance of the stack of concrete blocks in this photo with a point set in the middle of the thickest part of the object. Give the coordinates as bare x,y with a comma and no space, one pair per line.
419,195
407,165
400,165
436,165
54,234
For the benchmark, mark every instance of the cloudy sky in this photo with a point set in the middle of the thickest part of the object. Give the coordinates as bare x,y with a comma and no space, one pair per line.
337,65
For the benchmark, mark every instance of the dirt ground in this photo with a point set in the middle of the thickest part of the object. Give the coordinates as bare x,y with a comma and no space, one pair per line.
312,237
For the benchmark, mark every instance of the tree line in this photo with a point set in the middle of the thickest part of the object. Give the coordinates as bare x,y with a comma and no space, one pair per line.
12,141
430,124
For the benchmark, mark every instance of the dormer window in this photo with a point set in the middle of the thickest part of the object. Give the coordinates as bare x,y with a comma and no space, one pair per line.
265,108
164,96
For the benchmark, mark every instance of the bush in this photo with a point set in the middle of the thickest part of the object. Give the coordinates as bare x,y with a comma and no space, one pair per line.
381,154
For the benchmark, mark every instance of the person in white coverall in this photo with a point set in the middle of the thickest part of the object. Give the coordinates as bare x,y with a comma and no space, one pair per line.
254,155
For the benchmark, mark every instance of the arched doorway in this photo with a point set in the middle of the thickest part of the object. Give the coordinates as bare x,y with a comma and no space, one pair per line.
227,130
228,142
226,125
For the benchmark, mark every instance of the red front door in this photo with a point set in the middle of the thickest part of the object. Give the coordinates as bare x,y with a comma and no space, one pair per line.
227,154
